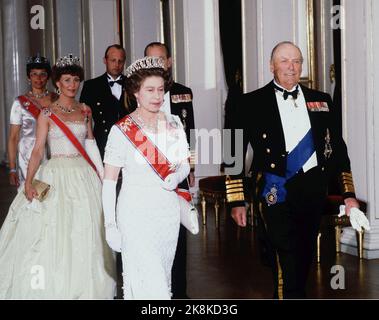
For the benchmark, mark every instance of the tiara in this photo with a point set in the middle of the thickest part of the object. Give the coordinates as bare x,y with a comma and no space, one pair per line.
69,60
145,63
38,59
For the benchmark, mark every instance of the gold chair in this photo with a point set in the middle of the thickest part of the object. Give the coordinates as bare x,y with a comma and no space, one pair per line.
212,189
330,218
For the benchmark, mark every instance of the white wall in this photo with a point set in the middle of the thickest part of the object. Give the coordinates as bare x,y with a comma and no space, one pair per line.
15,50
142,26
103,31
204,70
68,27
360,82
265,23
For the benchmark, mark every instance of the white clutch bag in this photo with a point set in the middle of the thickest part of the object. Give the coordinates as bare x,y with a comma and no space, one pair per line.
189,216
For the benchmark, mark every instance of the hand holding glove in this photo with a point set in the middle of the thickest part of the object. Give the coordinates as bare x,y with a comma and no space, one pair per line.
173,179
357,218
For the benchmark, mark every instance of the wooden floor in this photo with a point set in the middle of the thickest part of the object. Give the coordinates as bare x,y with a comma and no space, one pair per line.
224,263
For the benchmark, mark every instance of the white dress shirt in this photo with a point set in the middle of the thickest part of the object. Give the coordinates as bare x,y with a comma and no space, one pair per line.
116,88
295,122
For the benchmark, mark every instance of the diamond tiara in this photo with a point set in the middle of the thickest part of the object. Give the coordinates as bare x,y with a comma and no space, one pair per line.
145,63
69,60
38,59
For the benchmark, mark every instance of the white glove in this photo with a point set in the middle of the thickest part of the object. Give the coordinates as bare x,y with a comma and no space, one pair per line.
357,218
94,154
113,237
173,179
112,234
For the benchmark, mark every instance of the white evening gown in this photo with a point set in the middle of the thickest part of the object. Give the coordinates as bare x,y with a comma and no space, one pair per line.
56,249
148,216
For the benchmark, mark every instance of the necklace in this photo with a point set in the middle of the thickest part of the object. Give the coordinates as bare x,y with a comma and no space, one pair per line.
65,109
39,95
151,126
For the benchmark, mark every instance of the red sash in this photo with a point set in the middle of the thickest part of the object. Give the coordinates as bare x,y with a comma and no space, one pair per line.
154,157
72,138
29,106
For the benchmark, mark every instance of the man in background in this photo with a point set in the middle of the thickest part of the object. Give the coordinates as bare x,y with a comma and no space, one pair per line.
105,95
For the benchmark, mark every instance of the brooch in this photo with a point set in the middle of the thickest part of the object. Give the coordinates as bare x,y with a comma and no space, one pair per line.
271,196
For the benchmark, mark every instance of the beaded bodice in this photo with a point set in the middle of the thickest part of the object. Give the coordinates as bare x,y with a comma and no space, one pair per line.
60,145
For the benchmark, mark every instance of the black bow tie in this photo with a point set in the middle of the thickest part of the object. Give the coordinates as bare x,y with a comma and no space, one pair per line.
120,82
286,93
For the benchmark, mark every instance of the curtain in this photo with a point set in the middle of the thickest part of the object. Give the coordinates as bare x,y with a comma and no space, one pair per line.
231,45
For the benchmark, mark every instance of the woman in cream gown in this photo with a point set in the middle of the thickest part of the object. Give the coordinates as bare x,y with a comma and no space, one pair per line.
56,249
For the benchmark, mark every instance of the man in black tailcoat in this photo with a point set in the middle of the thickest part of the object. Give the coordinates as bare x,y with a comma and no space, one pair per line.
105,95
293,132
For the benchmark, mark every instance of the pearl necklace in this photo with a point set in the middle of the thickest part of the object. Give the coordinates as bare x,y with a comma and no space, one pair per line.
39,95
65,109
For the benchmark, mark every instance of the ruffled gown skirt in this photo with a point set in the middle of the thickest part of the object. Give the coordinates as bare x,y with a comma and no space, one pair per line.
56,249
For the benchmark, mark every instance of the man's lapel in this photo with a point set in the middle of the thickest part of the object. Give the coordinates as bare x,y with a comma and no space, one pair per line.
106,86
273,116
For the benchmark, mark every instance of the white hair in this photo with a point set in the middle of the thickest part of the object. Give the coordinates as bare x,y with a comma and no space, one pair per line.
273,52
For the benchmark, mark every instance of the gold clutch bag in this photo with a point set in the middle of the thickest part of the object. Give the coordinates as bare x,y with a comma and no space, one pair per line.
42,188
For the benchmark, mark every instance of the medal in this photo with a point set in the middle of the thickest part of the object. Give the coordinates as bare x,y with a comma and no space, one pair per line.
272,197
328,148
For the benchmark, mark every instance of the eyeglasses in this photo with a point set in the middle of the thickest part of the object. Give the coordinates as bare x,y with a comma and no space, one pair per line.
38,74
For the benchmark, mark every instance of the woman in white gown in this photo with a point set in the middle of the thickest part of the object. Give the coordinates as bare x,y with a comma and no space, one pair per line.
23,118
148,217
56,249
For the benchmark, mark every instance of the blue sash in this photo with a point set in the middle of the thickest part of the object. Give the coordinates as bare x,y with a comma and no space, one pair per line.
274,190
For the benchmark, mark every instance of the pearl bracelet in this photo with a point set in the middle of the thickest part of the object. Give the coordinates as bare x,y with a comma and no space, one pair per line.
12,170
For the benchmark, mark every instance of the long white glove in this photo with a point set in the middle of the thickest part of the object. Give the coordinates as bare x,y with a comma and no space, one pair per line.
173,179
357,218
112,234
94,154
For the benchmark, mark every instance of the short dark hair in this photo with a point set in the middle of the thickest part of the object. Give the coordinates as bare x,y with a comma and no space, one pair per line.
116,46
74,70
134,82
157,44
